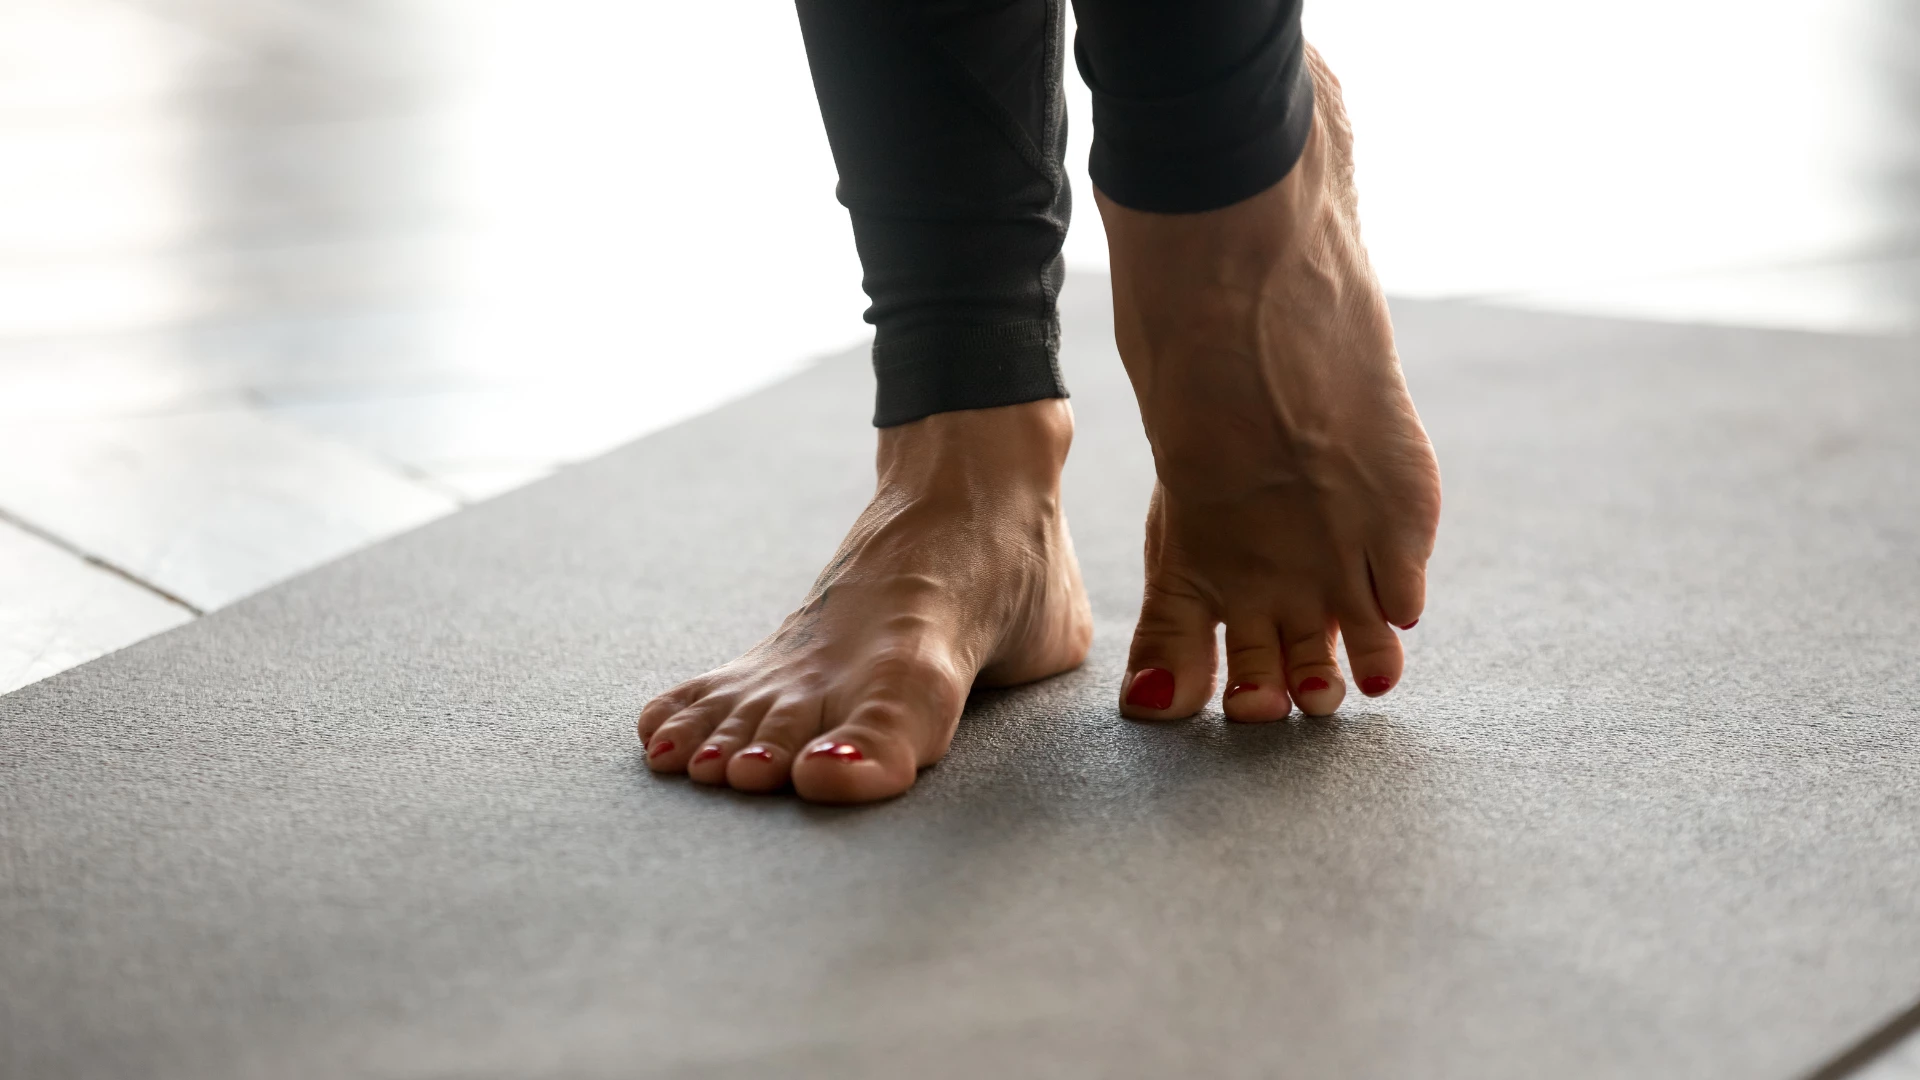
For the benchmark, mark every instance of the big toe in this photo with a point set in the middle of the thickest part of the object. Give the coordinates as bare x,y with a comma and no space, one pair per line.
900,718
866,759
1171,662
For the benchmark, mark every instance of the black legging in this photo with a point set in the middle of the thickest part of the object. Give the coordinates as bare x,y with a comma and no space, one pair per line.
949,130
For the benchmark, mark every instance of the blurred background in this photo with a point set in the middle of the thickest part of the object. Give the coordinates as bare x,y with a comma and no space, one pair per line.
279,278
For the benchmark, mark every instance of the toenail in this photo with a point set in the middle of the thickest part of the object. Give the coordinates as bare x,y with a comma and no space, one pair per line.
1152,688
842,751
1375,685
1309,685
1411,625
756,753
660,746
707,753
1240,688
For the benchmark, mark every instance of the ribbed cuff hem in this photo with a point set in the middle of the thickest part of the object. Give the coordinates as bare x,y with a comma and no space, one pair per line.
947,368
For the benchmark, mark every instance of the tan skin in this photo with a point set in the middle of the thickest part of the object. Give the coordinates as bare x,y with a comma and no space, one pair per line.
1297,501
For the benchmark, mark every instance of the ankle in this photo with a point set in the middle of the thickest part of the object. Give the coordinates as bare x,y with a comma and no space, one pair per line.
985,450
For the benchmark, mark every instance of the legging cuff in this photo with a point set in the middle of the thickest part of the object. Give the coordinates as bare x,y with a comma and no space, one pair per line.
946,368
1211,147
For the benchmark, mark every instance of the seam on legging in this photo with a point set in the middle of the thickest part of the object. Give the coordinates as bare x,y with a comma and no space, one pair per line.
1007,124
1055,133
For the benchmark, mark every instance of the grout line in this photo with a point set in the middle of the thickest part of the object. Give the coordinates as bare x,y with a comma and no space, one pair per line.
1872,1048
95,560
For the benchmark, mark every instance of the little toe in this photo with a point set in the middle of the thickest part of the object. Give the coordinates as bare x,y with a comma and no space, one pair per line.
765,763
1256,679
675,742
1373,653
663,708
1171,662
868,758
1312,675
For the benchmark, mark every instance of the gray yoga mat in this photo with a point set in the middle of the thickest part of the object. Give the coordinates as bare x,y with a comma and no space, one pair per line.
1646,804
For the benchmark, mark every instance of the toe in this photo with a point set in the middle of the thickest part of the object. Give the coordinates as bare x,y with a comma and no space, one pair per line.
1312,676
869,757
675,742
901,718
765,762
1171,663
1256,679
1399,588
708,765
1373,652
662,708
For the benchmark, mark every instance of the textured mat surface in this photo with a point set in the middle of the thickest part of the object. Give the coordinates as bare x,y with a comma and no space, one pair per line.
1647,804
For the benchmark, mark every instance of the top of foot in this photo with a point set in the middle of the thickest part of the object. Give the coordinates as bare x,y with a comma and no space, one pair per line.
959,570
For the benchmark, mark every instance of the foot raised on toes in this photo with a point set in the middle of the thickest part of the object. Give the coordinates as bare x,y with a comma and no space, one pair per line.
1298,495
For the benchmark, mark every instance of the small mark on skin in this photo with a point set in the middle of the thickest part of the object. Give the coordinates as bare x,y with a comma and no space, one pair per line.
707,753
661,746
756,753
1375,685
1240,688
1309,685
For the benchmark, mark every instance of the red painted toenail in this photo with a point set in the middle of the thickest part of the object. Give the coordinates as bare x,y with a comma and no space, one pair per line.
1152,688
841,751
1411,625
1309,685
755,753
707,753
659,747
1240,688
1375,685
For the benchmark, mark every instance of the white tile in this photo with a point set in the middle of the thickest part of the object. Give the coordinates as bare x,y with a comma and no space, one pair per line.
57,610
208,506
111,375
569,416
177,369
484,428
134,290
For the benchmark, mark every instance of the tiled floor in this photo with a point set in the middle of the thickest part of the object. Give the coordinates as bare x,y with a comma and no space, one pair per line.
279,278
61,610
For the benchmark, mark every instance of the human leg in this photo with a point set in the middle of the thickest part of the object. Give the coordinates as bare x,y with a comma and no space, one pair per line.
1298,495
946,125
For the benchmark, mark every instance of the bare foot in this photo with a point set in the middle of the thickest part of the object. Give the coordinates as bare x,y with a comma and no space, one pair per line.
1298,495
959,571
